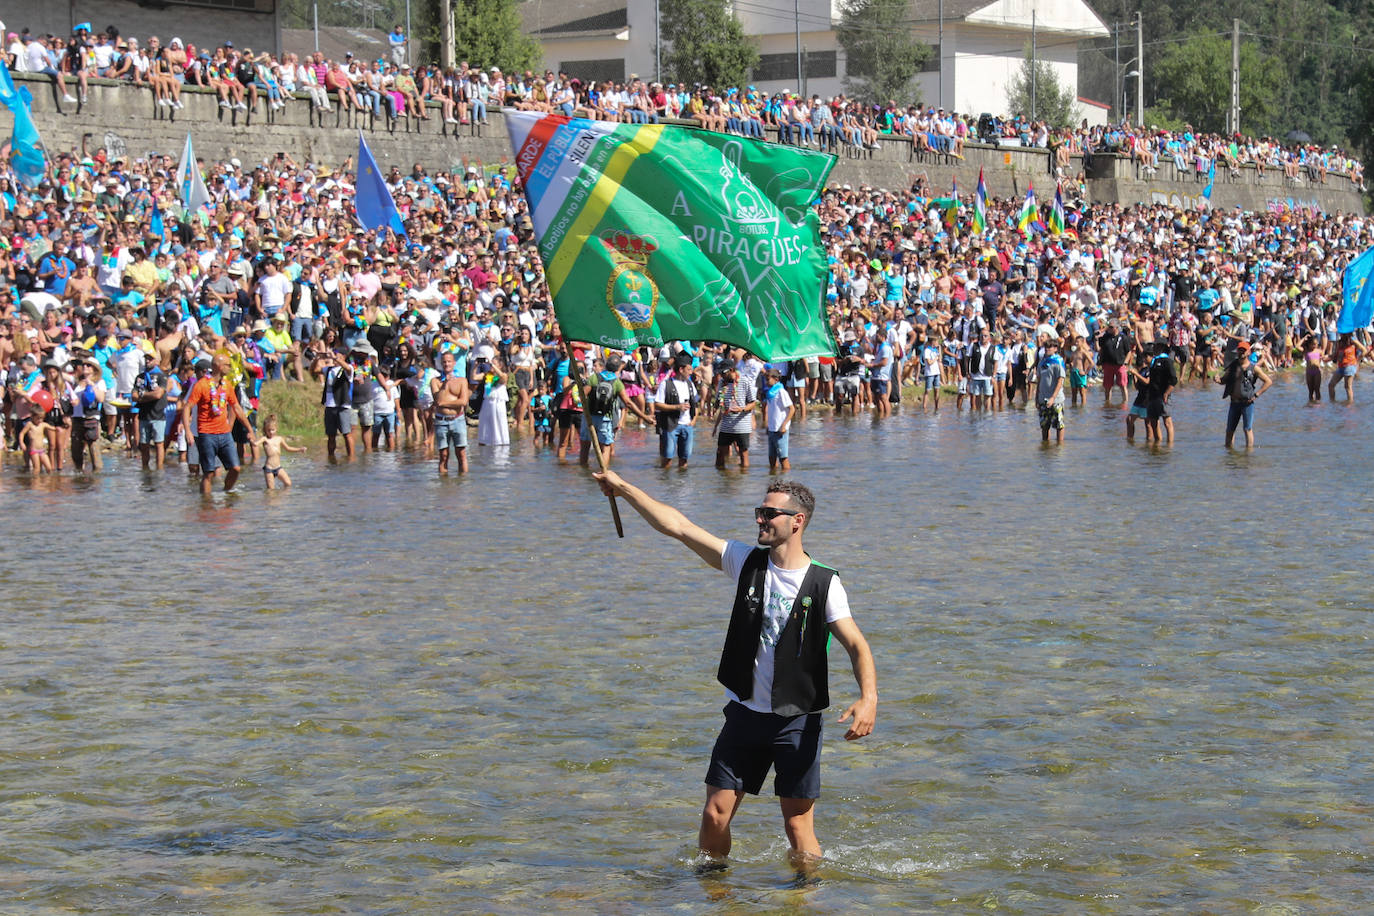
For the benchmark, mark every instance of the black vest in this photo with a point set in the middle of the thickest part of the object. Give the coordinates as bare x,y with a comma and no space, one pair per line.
800,684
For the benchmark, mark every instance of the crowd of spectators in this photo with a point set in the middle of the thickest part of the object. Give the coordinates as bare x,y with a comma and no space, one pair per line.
112,299
242,79
115,303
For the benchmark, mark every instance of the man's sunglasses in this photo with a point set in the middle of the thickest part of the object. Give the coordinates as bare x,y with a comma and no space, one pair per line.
768,513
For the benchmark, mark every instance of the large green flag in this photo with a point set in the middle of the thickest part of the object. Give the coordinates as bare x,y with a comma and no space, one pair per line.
652,233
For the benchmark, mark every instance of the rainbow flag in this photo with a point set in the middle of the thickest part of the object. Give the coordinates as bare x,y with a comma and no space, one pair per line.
980,206
1029,216
653,232
1056,222
950,206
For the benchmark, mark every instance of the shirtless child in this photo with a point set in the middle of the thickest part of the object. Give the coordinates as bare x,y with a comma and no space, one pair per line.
33,440
272,446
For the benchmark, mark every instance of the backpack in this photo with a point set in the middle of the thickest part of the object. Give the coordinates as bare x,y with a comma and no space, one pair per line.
601,399
1244,386
1163,372
1240,382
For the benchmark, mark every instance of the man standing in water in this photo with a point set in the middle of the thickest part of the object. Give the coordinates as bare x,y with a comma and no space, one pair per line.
1049,390
215,406
774,662
1243,383
450,391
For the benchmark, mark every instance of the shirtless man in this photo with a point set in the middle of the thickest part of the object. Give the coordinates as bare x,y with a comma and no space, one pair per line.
168,344
81,288
1143,326
450,390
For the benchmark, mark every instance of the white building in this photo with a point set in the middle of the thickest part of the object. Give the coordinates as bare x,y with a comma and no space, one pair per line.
984,43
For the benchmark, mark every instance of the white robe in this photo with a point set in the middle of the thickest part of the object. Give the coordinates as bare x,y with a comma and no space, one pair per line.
492,428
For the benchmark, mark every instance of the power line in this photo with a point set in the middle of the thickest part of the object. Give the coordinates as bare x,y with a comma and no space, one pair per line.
826,24
1302,41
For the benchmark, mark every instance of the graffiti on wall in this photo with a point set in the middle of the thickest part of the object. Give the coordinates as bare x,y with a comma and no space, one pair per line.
115,147
1280,205
1179,201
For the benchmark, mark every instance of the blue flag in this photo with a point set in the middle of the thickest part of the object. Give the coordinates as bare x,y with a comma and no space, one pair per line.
27,157
373,201
1357,295
155,225
1211,180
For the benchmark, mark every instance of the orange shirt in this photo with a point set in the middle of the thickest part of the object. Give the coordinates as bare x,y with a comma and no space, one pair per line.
1348,356
214,405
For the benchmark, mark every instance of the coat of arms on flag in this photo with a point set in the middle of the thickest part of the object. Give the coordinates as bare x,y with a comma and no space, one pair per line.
651,233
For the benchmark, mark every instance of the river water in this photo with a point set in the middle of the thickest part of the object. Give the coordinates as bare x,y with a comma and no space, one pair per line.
1114,678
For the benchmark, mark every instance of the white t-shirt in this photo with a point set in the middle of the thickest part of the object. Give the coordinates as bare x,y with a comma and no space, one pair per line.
749,369
274,288
20,53
110,272
684,394
780,590
37,57
776,410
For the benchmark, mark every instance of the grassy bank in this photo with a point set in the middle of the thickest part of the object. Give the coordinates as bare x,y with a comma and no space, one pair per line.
297,406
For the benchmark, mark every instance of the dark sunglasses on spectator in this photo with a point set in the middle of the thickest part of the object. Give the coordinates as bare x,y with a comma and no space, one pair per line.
768,513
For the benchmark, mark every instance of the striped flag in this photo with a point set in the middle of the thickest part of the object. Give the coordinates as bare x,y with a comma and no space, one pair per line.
1055,221
652,233
190,184
952,211
980,206
1029,216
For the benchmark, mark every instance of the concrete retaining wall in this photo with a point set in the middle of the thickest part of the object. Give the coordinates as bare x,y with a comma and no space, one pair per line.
126,122
203,26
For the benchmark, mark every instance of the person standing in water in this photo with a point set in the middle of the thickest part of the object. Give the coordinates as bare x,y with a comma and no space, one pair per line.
773,665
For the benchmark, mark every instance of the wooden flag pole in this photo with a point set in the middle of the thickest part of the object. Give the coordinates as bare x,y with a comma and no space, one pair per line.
575,370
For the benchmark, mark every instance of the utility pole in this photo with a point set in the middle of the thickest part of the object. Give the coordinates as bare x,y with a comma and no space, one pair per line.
658,45
1235,76
796,26
446,35
315,12
1034,66
1140,68
941,51
1116,59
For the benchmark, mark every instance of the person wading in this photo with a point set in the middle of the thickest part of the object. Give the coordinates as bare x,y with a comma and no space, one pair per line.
774,662
451,393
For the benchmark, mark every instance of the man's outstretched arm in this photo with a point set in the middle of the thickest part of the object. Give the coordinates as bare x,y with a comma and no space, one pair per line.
865,709
664,518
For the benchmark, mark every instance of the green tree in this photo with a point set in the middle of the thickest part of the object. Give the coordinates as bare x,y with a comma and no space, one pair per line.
1192,81
881,56
706,43
1055,104
1362,131
489,33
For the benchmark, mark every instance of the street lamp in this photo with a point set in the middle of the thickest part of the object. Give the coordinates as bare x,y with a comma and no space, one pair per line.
1121,78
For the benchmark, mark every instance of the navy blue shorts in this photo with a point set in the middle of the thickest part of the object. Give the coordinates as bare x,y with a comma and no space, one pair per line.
751,742
217,448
